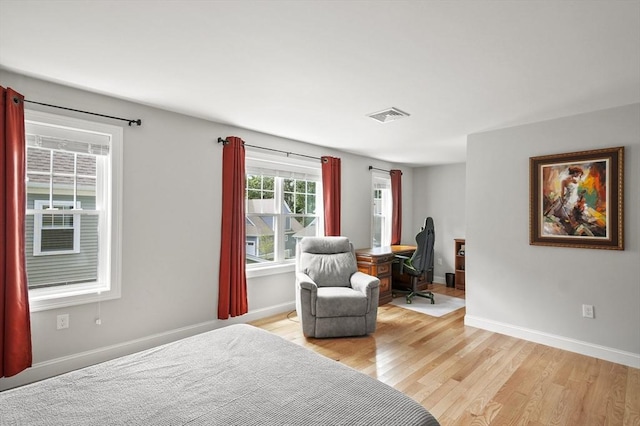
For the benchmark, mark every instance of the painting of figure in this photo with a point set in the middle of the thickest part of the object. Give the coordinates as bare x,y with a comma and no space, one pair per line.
575,199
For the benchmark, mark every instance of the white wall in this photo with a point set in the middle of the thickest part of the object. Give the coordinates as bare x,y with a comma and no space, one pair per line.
537,292
440,193
171,242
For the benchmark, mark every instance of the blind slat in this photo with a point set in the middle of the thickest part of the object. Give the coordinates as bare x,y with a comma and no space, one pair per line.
67,145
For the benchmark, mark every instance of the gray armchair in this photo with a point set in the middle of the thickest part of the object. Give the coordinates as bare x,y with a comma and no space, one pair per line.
333,298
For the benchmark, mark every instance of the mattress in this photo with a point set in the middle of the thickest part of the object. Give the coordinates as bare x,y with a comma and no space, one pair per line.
236,375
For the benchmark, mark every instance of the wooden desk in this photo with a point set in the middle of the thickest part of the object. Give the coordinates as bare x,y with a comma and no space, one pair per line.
377,261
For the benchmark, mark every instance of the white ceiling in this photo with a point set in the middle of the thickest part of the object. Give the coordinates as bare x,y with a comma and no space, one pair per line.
312,70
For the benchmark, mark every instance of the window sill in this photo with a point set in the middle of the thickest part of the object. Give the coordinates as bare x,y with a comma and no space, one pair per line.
44,299
281,268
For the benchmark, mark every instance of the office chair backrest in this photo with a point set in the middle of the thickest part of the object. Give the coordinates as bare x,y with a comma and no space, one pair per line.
422,259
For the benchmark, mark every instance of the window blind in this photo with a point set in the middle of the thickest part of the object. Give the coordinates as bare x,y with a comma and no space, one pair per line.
64,139
275,166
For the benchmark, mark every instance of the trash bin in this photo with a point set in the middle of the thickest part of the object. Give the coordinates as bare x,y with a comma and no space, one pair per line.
451,279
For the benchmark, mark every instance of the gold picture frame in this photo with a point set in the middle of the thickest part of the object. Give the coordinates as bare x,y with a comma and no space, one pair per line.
576,199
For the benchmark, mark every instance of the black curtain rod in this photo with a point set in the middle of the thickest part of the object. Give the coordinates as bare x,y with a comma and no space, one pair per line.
137,122
224,142
382,170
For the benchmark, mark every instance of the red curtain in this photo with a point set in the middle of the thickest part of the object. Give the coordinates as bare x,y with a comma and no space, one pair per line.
331,195
396,208
15,325
232,293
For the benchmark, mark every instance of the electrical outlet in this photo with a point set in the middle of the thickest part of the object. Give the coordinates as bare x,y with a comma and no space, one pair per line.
587,311
63,321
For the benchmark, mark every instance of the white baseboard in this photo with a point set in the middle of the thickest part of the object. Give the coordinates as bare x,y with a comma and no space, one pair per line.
629,359
54,367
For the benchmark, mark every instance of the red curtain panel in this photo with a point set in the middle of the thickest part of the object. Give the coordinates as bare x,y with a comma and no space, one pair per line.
232,292
396,208
331,195
15,325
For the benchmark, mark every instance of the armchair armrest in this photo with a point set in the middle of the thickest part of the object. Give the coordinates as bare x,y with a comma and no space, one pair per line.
305,282
363,282
306,295
368,285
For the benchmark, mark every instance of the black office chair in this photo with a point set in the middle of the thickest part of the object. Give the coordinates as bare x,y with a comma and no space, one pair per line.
420,264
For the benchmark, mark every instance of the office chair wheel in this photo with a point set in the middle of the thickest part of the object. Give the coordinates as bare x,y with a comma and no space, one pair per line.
408,300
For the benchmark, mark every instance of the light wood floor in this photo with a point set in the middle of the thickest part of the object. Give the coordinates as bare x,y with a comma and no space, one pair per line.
467,376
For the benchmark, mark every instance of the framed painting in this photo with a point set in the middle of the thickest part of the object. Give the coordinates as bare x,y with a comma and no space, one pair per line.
576,199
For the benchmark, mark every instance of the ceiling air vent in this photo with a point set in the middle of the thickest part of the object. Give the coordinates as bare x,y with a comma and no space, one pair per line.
387,115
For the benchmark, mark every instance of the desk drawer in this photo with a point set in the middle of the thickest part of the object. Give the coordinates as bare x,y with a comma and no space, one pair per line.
385,268
385,284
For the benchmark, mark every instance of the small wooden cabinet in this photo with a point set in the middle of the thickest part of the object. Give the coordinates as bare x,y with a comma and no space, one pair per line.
460,266
377,262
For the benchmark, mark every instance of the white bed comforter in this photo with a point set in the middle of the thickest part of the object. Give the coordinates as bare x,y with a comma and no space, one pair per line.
237,375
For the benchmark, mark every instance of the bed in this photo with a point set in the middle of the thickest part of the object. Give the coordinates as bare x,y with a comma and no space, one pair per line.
236,375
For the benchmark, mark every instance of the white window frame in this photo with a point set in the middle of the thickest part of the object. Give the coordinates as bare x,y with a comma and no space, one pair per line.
108,285
260,160
381,179
38,227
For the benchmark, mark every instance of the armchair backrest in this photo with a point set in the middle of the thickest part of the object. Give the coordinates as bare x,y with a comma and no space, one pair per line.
328,261
422,259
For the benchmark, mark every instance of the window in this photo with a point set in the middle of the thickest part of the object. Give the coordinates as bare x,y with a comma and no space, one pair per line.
283,204
73,211
56,233
381,210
